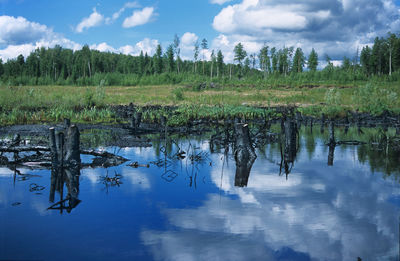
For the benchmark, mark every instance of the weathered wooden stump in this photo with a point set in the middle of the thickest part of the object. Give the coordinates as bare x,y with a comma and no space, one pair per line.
163,121
289,142
332,141
136,120
66,163
72,152
53,146
244,154
60,148
67,123
331,155
65,149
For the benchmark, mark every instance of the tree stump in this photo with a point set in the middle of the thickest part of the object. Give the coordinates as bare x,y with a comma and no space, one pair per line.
244,154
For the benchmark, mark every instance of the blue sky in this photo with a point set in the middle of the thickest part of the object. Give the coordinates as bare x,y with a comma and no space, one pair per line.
334,27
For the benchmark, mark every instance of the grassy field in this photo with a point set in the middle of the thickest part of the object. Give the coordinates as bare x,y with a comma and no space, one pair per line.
35,104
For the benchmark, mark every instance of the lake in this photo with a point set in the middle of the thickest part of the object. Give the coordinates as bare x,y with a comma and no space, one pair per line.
311,203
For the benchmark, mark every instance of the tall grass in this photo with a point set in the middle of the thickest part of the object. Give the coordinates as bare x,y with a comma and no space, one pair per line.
30,104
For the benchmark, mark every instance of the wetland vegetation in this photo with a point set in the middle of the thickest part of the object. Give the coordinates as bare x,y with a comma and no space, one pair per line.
84,85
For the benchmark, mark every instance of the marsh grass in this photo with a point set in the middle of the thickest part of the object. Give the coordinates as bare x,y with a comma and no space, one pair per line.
35,104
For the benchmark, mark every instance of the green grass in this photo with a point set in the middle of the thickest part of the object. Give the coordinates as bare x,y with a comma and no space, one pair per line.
36,104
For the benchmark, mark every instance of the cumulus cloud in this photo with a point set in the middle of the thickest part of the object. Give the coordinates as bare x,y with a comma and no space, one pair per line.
103,47
139,17
187,44
147,45
116,15
336,27
16,31
226,43
308,217
20,36
95,19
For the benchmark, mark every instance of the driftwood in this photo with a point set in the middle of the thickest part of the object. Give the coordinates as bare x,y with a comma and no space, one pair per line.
24,149
64,152
137,165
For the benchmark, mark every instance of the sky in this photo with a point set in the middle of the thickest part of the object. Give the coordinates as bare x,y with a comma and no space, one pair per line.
333,27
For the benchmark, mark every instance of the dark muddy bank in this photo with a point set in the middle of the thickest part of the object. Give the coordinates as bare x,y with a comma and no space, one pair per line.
159,115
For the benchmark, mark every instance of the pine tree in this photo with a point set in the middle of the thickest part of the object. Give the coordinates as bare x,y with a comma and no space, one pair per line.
240,55
170,58
141,63
298,61
346,65
313,60
220,63
196,55
365,59
158,60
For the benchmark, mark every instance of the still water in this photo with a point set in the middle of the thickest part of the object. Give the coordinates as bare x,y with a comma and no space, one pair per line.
200,207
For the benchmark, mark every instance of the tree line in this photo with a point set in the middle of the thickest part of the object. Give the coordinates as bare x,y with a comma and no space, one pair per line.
64,66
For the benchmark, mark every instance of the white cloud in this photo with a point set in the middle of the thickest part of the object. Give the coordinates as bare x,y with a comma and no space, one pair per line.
188,41
95,19
226,43
103,47
13,51
147,45
18,30
20,36
251,17
334,27
139,17
116,15
323,217
219,2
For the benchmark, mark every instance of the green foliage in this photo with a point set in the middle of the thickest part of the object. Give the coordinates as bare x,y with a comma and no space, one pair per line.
178,94
85,67
373,99
313,60
240,53
333,97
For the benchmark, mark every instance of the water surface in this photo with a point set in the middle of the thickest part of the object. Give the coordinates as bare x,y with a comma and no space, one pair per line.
309,207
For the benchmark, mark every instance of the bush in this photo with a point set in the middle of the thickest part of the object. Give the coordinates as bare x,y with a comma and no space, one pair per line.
178,93
371,98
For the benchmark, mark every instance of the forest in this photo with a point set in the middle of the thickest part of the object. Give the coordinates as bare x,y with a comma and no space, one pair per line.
288,65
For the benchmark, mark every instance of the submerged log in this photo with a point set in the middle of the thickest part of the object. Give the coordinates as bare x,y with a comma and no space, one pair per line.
24,149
